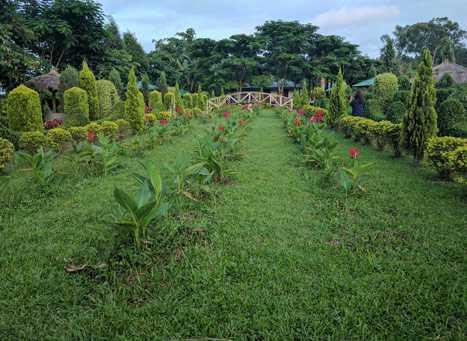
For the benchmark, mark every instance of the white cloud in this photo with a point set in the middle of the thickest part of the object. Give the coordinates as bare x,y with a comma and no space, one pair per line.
348,16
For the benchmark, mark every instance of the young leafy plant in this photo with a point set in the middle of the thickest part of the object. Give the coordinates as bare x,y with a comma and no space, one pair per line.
144,208
40,165
100,158
350,177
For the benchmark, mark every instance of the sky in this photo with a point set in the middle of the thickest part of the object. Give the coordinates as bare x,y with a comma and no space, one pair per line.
361,22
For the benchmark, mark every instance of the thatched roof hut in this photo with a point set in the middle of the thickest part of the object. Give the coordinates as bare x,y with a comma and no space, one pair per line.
457,72
48,82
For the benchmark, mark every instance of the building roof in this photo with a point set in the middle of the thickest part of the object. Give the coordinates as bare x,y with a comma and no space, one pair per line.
47,82
457,72
365,84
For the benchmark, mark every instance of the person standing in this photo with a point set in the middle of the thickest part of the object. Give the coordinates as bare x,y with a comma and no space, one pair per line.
358,104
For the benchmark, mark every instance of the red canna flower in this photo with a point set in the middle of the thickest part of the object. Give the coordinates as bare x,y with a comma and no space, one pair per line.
354,152
163,122
318,117
297,121
91,136
222,129
226,114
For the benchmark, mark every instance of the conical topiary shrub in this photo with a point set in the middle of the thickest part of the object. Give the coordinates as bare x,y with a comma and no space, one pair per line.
87,82
134,104
76,107
420,122
338,102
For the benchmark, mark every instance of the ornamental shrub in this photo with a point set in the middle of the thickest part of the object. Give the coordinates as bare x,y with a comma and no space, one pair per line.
149,119
93,127
420,122
195,99
155,101
188,100
122,124
169,101
403,96
445,82
441,96
440,153
114,77
57,137
76,107
404,83
108,96
134,104
197,112
339,104
109,129
87,82
24,110
385,88
395,111
450,112
118,111
78,134
7,153
31,141
318,93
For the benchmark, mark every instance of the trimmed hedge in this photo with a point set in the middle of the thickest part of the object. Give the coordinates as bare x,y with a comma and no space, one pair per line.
7,153
450,112
31,141
108,96
169,101
134,104
188,100
109,129
57,137
448,155
76,107
384,133
78,134
24,110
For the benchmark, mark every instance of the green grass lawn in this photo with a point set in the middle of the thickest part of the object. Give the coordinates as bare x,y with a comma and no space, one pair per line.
275,254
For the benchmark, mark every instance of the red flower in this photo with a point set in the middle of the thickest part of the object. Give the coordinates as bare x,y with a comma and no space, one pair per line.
226,114
91,136
178,110
50,124
354,152
301,112
221,128
297,121
318,117
163,122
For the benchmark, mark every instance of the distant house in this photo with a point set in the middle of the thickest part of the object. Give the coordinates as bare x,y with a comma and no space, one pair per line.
457,72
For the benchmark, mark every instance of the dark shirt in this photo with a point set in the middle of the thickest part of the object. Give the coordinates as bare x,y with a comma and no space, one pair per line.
357,107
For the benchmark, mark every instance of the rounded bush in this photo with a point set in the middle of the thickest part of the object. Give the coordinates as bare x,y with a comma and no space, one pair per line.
24,109
150,119
122,124
76,107
386,87
57,137
78,134
31,141
404,83
87,82
108,96
94,127
7,152
109,129
403,96
450,112
439,151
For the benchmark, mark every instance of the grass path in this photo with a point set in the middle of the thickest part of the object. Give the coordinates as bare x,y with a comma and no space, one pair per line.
287,257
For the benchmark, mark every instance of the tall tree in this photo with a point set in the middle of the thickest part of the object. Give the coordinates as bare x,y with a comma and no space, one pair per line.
137,53
388,55
420,122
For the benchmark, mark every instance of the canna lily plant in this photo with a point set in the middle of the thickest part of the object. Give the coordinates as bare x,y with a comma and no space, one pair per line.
143,209
350,176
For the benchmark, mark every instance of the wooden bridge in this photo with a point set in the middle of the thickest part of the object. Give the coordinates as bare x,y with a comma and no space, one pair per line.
251,97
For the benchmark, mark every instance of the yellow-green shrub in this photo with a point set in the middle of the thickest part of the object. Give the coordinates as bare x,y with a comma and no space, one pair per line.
164,114
443,155
78,134
150,119
93,127
32,140
57,137
197,112
107,96
188,100
24,109
155,101
109,129
134,104
87,82
7,152
169,101
122,124
76,107
310,110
